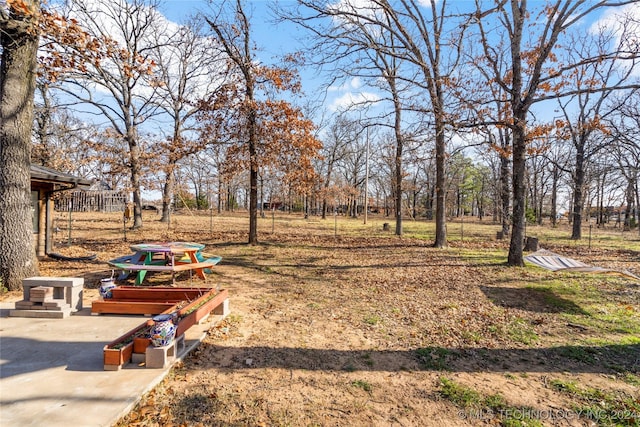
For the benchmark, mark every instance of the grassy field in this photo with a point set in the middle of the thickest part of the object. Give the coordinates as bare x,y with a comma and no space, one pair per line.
336,322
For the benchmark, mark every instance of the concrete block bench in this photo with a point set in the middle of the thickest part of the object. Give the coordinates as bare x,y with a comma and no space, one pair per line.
67,291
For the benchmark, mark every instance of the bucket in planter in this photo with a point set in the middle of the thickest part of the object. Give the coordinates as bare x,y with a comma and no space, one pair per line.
162,331
106,285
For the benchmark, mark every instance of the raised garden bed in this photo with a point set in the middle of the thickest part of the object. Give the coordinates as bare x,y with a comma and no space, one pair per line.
139,300
119,351
198,304
196,310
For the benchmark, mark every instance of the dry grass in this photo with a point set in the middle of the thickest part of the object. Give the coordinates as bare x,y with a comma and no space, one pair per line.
338,323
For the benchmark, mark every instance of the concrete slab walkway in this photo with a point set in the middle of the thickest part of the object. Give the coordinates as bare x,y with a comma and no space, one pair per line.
51,370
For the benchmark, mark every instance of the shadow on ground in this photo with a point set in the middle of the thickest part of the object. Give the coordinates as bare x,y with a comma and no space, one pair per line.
574,359
25,355
540,300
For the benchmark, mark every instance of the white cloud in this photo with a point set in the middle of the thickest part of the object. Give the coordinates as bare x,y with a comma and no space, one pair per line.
425,3
355,15
352,84
352,100
615,18
624,24
160,31
360,7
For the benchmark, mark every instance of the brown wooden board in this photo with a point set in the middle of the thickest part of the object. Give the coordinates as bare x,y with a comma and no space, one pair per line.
130,307
164,294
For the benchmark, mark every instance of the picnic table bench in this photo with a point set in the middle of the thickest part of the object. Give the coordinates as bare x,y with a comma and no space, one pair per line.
165,267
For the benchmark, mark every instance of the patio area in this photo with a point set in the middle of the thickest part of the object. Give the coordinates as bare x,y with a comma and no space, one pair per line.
51,370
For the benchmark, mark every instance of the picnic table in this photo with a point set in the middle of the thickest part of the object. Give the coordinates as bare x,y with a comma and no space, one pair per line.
165,256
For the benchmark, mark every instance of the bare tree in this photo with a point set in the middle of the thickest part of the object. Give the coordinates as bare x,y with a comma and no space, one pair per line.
557,157
375,56
538,179
353,164
625,135
64,142
499,142
402,31
112,81
187,70
595,84
334,150
235,38
264,132
533,74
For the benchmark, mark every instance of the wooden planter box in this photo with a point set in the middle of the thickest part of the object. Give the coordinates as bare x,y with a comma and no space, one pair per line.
140,344
146,300
119,351
197,310
137,293
131,307
114,358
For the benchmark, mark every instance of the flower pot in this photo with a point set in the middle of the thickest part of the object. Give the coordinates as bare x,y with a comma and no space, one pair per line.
106,286
162,331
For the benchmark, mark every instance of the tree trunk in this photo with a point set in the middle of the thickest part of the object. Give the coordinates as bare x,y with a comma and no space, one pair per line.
167,191
515,257
398,166
637,193
136,173
578,197
219,195
441,226
554,196
519,111
253,176
540,207
17,85
326,186
601,182
504,194
494,205
627,212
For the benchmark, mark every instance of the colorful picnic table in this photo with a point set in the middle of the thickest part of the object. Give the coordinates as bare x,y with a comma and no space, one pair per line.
164,256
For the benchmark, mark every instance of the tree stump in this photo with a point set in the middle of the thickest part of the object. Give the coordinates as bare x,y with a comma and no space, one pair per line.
499,235
385,226
531,244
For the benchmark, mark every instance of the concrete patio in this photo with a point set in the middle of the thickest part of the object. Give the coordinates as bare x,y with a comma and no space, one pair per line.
52,373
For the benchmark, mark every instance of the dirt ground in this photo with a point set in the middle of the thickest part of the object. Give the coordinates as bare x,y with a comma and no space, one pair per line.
335,327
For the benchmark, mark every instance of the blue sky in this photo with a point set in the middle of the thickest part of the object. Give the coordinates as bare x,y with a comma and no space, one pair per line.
276,39
273,40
